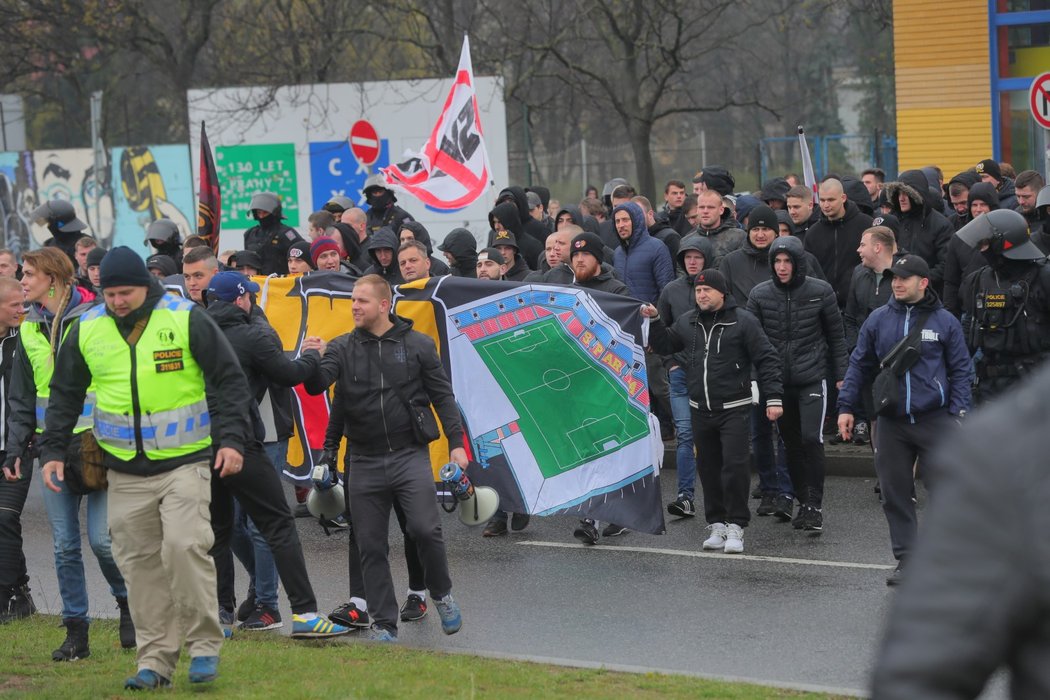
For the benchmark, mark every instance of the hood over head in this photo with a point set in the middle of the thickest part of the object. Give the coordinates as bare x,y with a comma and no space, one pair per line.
508,215
701,244
638,226
984,191
857,193
521,201
383,238
784,218
793,247
420,233
913,184
459,243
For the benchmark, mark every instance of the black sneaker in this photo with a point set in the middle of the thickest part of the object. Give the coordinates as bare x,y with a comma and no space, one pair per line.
519,521
349,615
860,433
613,530
835,439
682,507
127,627
262,618
768,506
245,609
414,608
897,576
799,521
783,507
586,532
814,521
495,528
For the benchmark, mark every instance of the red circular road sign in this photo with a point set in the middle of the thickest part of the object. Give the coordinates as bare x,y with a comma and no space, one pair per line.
1039,100
364,142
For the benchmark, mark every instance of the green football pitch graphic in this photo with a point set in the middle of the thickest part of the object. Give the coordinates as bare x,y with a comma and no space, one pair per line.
570,410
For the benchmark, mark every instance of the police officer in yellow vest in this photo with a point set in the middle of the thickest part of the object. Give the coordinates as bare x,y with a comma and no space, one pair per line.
149,357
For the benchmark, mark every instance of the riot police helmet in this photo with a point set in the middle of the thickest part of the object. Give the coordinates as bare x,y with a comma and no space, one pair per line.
1006,233
264,201
58,214
338,204
163,231
1042,203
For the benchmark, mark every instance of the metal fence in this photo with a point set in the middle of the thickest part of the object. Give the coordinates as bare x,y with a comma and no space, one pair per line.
845,154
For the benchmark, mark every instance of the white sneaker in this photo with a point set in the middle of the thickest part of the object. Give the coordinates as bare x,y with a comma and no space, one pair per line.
734,539
717,540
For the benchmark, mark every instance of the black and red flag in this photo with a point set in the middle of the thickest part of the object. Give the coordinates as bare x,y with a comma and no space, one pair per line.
209,200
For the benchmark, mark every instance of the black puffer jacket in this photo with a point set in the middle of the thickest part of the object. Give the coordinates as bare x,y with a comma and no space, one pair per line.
868,291
720,348
924,231
802,321
438,267
834,244
365,368
261,356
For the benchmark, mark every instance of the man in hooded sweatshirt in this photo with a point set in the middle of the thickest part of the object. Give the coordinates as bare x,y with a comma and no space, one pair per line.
677,299
505,217
270,238
415,231
801,316
382,248
382,206
834,239
535,231
461,251
962,260
924,231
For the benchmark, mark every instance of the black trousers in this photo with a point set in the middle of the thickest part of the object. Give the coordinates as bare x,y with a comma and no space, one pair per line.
898,443
723,461
413,561
258,490
13,496
802,427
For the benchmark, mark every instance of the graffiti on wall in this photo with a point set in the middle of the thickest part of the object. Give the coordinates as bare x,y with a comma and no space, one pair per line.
139,185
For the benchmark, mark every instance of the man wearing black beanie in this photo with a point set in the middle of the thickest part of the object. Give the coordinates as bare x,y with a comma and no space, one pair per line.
149,357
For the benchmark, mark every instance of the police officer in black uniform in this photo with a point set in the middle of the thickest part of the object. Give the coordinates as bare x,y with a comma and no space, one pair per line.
271,239
1006,304
383,210
61,220
164,236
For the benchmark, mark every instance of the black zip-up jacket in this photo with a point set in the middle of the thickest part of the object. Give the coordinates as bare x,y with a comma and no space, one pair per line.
802,321
721,347
222,375
21,425
834,244
261,356
867,291
365,368
271,239
7,362
748,266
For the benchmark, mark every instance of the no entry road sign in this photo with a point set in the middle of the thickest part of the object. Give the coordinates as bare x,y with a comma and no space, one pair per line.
364,142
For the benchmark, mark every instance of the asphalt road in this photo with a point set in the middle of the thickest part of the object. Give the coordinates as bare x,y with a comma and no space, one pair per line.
795,609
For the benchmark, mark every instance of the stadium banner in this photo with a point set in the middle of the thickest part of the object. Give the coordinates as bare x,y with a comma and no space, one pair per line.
550,383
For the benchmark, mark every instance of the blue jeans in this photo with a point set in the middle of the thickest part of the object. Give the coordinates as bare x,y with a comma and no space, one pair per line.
63,511
773,477
249,546
683,423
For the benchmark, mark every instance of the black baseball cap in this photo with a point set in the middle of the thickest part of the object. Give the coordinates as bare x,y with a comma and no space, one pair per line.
909,266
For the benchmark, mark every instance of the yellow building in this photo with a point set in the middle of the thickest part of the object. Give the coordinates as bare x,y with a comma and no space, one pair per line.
963,71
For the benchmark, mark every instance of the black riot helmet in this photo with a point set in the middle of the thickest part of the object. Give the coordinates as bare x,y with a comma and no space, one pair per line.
267,202
163,231
1005,231
1042,203
59,216
338,204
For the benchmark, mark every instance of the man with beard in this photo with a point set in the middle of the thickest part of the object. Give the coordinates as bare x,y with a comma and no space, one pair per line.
1006,304
383,211
1026,188
491,264
270,238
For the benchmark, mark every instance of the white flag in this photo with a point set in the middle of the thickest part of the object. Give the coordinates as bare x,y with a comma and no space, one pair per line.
453,169
807,164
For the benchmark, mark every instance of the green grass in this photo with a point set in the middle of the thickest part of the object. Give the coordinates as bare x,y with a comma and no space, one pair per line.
271,665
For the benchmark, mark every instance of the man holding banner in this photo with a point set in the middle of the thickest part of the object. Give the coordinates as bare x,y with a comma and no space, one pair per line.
388,375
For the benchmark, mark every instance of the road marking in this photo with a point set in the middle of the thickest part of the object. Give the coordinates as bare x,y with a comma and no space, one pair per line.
712,555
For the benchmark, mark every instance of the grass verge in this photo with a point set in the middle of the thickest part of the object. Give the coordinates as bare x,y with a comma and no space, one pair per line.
272,665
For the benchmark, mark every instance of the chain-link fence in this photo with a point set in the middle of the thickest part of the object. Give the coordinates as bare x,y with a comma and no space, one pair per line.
844,154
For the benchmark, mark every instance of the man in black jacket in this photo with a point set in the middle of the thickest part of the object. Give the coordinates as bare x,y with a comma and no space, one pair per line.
834,239
963,260
722,344
382,248
801,317
504,218
257,487
461,251
270,238
383,211
924,231
385,373
415,231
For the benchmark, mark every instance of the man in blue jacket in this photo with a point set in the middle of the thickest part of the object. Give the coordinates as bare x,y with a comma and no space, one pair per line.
934,392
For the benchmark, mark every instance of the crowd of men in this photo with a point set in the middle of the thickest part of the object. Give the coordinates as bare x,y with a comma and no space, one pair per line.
896,302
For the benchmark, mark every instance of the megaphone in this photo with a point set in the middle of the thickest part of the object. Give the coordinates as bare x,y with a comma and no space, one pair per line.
326,500
477,504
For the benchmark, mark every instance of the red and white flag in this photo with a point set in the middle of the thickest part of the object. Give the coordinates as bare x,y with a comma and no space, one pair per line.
453,169
807,164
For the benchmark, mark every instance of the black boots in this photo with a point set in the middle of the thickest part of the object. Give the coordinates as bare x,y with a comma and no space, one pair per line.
127,627
76,644
16,603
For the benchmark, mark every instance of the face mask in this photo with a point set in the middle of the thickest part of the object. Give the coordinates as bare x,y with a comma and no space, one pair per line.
379,201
